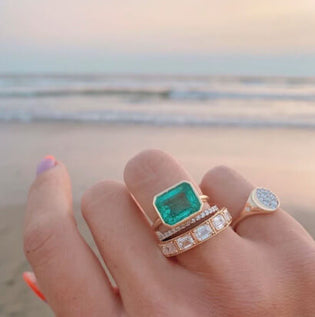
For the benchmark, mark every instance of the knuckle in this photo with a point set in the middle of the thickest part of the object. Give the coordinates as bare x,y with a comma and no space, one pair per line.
99,194
219,172
40,240
147,160
148,167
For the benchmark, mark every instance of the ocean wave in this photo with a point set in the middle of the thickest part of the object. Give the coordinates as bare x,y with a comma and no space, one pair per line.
159,100
106,77
164,87
84,92
166,94
113,117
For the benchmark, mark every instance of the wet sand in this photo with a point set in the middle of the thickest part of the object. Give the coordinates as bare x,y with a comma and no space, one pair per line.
281,159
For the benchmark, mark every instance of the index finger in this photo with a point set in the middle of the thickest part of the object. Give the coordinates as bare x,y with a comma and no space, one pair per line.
69,274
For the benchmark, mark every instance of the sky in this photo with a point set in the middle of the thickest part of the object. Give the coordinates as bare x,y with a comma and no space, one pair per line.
269,37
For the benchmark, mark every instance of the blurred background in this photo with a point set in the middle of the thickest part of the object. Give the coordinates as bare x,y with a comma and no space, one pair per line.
94,82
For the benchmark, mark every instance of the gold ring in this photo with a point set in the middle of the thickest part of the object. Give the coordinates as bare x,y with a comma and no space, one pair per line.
192,221
260,201
197,235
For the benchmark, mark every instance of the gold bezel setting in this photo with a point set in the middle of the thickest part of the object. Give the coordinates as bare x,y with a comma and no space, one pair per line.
198,196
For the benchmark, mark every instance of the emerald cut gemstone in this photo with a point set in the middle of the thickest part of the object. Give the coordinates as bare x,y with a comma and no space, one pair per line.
177,203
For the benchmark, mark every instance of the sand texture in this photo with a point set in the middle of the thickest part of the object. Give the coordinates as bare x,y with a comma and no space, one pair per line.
280,159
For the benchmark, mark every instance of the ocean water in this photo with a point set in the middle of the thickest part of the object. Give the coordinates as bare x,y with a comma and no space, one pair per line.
159,100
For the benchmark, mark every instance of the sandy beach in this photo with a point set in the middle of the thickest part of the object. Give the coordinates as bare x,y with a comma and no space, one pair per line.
281,159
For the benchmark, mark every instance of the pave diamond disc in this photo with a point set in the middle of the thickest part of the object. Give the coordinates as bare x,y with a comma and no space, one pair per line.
266,199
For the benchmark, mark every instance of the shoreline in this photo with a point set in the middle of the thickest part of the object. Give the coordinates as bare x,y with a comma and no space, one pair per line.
233,124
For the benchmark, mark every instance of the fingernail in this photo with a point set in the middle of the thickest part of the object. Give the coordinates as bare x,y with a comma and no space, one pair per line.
45,164
30,280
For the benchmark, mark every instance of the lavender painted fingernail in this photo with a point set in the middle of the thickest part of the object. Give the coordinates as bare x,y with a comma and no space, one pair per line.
48,162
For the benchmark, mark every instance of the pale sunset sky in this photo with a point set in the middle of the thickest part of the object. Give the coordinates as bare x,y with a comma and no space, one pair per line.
254,37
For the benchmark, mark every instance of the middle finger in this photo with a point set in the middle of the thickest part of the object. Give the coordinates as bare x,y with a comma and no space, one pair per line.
151,172
125,242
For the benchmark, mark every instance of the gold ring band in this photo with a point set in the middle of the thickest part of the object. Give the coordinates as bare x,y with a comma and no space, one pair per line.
195,220
197,235
204,198
261,201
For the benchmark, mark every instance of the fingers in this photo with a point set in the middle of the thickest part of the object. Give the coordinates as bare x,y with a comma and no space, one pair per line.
226,187
67,271
125,241
151,172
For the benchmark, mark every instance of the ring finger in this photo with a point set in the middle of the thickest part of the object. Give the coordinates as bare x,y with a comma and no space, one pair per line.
151,172
226,187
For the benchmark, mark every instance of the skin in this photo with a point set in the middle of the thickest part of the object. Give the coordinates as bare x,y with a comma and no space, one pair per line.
265,268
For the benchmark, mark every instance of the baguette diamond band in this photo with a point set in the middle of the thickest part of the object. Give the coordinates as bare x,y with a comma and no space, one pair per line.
197,235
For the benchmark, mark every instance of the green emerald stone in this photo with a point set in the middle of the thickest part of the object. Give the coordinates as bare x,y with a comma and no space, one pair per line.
177,203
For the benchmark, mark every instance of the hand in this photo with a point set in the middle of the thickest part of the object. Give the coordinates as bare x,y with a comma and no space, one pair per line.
266,268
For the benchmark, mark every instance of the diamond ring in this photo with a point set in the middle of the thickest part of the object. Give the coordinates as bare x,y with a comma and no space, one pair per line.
260,201
197,235
200,216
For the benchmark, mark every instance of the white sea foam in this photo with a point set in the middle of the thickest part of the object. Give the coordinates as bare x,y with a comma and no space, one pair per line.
159,100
